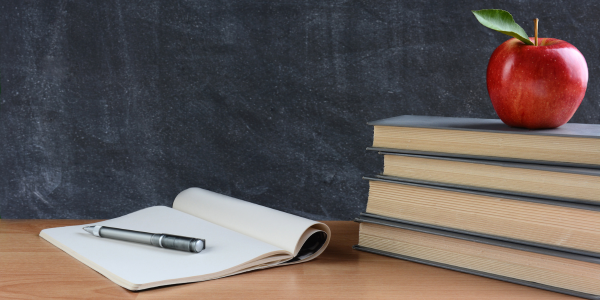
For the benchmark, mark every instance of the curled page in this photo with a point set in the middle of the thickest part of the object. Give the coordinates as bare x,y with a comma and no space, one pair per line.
305,239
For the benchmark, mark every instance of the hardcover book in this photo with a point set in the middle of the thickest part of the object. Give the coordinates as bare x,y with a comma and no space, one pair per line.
569,145
542,181
240,237
557,271
559,225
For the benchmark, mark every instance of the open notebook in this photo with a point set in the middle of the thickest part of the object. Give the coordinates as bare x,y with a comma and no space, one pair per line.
240,237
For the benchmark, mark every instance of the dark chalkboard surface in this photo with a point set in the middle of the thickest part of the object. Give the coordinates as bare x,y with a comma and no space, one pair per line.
108,107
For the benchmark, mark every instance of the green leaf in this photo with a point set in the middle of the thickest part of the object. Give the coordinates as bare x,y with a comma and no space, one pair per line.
502,21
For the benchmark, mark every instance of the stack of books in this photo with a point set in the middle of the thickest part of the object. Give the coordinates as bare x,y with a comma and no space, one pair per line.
477,196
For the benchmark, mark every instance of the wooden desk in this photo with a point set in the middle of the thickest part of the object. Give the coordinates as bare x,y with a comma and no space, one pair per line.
30,267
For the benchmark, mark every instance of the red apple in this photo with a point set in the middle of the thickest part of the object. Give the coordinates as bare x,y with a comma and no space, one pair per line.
536,87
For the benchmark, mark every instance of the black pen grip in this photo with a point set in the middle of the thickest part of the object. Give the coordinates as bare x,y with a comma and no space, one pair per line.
176,242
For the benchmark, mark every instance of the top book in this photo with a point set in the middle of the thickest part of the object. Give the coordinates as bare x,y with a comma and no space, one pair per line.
569,145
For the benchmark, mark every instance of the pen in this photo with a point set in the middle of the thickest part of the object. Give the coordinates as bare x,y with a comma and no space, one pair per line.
161,240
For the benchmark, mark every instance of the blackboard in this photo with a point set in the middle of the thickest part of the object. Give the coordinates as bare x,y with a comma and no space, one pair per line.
108,107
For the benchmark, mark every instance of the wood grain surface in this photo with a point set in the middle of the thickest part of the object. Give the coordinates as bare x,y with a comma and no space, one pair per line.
31,268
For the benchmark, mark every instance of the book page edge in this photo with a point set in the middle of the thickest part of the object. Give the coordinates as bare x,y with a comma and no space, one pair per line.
111,276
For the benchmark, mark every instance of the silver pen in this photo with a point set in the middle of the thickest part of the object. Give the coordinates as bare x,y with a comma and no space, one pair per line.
161,240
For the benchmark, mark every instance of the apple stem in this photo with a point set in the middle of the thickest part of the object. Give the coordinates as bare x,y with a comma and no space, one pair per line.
535,22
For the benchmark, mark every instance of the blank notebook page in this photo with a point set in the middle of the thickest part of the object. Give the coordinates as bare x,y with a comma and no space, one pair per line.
139,264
